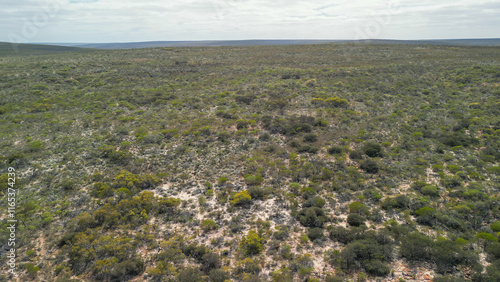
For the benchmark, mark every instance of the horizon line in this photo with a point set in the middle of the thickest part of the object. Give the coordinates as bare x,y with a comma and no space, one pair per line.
257,39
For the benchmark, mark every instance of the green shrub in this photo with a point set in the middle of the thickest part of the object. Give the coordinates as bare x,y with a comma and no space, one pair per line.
4,182
317,101
265,136
369,254
430,190
307,149
453,168
242,198
245,99
448,255
315,233
377,267
459,139
253,179
357,207
451,182
311,138
495,226
474,195
256,192
31,269
369,166
121,157
399,202
308,192
218,275
311,217
488,237
127,268
35,146
426,216
190,275
252,244
355,219
335,150
222,180
282,233
208,225
210,261
337,102
344,235
416,247
314,202
494,170
356,155
373,150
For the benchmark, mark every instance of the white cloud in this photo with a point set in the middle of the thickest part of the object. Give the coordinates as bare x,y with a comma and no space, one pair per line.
127,20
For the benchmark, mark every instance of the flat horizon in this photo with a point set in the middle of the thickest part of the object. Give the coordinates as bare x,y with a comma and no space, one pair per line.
261,39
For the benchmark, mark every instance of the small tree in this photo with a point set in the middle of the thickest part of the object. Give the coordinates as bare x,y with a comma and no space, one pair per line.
252,244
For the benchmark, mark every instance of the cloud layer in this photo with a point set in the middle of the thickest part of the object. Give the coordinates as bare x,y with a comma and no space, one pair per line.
127,20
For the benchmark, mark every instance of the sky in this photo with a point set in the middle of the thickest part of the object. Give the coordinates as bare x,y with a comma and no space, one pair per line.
102,21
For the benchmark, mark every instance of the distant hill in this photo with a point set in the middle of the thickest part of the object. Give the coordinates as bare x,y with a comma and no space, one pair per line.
471,42
14,49
151,44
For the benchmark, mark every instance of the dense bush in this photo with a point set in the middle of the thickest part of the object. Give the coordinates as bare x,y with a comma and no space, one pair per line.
355,220
416,247
256,192
208,225
310,138
357,207
337,102
218,275
242,198
314,202
356,155
312,217
495,226
335,150
190,274
253,179
459,139
252,244
315,233
430,190
370,166
344,235
373,150
371,254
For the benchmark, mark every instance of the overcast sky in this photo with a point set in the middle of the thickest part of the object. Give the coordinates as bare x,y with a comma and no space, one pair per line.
98,21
